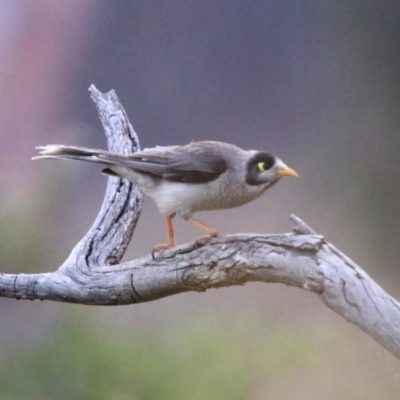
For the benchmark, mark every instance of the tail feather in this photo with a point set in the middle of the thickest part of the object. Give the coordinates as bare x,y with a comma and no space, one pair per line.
68,153
123,161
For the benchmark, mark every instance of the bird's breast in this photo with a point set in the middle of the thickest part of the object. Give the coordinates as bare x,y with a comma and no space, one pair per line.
186,199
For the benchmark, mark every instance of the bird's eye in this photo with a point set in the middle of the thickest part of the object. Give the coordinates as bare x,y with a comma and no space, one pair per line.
261,166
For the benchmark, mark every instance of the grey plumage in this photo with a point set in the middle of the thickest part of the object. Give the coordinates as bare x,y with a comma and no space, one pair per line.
185,179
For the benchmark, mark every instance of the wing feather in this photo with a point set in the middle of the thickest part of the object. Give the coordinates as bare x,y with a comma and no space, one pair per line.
198,162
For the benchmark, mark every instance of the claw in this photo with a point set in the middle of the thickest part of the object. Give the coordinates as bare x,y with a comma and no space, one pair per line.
161,247
201,240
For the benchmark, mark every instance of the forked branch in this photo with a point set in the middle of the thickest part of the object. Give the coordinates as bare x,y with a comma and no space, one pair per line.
93,275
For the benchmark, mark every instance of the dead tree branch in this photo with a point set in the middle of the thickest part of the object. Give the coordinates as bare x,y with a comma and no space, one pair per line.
92,273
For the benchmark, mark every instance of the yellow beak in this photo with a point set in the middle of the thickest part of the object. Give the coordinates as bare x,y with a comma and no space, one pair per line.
286,171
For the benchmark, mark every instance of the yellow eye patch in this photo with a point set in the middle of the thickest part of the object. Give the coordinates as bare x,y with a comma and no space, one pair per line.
261,166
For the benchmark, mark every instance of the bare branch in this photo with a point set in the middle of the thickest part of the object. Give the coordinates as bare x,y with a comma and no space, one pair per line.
301,259
111,232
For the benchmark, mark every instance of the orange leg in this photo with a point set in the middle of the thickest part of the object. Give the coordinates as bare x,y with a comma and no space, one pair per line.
211,232
171,240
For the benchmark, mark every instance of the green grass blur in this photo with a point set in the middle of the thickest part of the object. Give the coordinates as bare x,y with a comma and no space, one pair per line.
204,361
205,358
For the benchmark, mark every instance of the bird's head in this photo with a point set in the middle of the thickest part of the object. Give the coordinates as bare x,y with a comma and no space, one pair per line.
264,169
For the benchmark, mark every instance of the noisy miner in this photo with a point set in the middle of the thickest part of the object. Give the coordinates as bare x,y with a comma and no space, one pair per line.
185,179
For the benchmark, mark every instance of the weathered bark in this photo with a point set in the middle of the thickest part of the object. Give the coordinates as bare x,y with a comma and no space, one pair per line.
92,275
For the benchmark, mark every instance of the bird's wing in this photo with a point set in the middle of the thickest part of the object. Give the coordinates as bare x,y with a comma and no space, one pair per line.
199,162
194,163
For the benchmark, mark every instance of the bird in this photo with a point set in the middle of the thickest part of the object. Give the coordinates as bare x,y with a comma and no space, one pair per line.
185,179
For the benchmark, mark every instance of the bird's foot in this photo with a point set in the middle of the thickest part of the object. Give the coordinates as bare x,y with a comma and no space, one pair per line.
203,239
161,247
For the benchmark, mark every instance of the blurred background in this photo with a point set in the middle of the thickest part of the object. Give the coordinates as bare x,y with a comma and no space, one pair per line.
316,82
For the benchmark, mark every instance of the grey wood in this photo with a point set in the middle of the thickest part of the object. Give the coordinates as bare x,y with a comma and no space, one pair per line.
93,275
